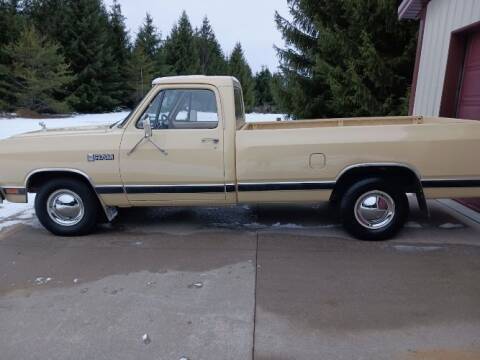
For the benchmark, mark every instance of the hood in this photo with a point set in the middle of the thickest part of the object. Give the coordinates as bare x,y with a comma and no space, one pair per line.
65,131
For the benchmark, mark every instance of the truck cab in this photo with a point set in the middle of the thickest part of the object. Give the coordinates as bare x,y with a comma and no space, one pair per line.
189,155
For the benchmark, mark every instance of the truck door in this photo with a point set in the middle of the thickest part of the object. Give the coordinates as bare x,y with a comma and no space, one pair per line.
183,160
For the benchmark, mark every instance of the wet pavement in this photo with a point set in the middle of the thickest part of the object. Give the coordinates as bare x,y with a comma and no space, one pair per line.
242,282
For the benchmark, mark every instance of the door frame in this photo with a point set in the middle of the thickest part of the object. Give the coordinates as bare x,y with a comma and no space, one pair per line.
455,69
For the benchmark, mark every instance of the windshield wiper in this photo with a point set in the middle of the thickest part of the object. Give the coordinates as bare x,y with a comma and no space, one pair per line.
120,123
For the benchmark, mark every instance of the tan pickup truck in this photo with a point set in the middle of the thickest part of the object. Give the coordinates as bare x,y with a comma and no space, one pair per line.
187,144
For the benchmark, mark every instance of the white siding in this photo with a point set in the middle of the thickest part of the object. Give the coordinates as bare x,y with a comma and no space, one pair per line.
443,17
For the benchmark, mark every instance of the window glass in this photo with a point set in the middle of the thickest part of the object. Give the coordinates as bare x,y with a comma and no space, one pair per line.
239,108
182,109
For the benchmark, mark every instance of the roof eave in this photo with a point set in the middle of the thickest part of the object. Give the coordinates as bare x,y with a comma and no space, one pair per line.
411,9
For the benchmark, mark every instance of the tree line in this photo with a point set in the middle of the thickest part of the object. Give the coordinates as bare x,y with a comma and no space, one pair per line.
341,58
58,56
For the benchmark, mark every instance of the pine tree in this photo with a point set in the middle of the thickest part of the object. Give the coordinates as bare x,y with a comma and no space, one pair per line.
50,18
140,73
120,46
145,62
87,47
239,68
344,58
39,73
180,50
263,90
212,59
148,38
11,23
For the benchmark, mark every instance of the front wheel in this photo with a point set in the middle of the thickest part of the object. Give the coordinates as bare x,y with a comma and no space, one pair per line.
67,207
374,210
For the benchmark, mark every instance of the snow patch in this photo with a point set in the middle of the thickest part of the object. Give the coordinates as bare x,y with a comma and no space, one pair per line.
416,248
42,280
413,225
450,226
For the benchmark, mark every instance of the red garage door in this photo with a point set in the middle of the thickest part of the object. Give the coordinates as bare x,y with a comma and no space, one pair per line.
469,96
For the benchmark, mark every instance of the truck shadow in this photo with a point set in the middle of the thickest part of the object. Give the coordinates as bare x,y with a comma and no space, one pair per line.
243,217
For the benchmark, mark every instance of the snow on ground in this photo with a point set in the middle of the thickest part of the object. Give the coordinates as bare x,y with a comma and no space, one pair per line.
13,126
11,214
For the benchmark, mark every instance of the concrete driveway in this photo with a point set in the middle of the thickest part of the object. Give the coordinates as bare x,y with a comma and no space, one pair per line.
241,283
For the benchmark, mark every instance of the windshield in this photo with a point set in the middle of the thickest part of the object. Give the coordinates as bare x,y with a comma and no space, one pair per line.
122,122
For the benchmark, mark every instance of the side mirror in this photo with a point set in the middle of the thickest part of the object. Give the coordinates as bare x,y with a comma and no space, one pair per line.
147,126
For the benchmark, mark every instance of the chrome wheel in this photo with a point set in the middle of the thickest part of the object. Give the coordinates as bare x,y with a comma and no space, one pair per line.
65,207
375,209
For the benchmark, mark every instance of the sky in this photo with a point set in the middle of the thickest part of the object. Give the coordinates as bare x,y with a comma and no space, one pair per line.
249,21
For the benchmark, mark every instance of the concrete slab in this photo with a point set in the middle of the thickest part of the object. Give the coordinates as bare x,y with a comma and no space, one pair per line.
188,279
334,298
95,297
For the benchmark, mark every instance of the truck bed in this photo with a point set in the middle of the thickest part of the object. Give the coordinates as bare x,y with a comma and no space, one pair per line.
321,123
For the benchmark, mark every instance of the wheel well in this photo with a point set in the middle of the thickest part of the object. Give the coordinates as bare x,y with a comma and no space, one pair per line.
35,181
400,176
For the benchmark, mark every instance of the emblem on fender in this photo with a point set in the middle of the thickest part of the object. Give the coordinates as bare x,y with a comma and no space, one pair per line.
100,157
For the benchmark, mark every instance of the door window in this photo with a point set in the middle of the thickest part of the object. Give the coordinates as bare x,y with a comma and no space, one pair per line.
182,109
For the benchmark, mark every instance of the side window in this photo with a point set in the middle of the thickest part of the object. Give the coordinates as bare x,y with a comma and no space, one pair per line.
182,109
239,108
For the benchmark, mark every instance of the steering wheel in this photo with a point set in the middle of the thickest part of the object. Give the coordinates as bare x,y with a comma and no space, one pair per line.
164,121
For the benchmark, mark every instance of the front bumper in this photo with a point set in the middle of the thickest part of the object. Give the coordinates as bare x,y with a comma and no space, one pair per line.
13,194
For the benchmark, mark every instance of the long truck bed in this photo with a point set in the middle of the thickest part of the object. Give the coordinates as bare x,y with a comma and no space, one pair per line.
321,150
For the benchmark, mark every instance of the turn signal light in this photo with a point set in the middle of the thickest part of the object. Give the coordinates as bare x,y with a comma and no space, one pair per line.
13,191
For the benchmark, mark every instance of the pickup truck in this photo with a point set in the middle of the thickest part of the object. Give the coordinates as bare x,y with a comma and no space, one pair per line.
187,144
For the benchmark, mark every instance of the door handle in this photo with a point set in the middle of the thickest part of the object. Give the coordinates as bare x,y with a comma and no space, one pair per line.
210,140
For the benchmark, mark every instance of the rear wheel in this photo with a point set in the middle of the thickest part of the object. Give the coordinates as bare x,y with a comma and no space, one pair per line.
67,207
374,210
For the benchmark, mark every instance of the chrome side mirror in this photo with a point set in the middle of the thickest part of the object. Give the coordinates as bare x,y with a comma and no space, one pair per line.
147,126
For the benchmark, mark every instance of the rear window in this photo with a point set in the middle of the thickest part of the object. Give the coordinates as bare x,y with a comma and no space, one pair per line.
239,108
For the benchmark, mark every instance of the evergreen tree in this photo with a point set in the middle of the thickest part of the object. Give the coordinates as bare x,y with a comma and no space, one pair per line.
140,73
86,42
148,38
49,18
120,46
239,68
146,61
39,73
11,23
180,50
263,90
212,59
344,58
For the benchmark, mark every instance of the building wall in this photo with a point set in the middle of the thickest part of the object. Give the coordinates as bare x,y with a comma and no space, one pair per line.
442,18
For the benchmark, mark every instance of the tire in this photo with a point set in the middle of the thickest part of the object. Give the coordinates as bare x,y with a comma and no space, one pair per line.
374,210
67,207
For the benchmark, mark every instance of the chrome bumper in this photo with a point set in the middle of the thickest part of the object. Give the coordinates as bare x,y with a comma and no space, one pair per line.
15,194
